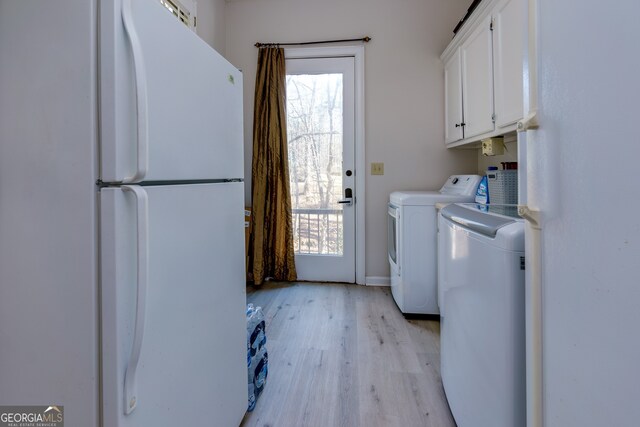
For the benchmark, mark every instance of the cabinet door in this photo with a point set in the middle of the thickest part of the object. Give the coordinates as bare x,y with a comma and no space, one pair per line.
508,47
453,99
477,81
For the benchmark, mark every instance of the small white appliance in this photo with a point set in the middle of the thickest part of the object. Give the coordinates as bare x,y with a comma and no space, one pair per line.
122,291
411,242
482,328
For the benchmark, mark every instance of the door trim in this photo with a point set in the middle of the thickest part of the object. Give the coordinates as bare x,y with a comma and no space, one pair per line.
357,52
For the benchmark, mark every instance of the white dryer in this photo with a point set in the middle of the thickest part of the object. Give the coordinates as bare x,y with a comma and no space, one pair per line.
482,330
412,242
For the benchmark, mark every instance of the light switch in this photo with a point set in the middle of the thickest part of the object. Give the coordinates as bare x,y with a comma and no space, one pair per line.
377,168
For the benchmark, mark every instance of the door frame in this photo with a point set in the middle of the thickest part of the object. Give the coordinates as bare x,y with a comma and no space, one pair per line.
357,52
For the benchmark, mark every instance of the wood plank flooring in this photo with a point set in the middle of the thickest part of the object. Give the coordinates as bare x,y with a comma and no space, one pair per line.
343,355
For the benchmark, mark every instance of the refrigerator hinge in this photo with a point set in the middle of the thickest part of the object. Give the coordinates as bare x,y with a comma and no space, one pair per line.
532,216
493,117
530,121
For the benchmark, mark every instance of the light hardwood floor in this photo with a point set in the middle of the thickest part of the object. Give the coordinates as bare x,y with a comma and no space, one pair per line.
343,355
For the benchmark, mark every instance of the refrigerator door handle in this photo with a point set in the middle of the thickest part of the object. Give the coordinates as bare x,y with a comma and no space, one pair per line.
142,223
142,121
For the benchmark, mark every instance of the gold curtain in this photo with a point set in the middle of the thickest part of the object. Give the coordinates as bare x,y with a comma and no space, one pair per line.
271,243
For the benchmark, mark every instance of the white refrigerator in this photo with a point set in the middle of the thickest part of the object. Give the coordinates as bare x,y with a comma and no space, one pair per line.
581,198
122,293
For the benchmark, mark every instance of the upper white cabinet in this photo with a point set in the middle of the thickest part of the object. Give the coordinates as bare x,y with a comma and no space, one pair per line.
508,41
477,81
483,73
453,99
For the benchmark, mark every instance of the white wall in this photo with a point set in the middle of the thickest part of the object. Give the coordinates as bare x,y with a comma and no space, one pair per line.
211,23
403,87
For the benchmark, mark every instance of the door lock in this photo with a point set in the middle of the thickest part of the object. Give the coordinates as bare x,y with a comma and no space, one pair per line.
348,197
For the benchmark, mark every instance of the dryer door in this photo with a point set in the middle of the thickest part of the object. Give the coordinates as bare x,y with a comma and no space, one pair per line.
393,239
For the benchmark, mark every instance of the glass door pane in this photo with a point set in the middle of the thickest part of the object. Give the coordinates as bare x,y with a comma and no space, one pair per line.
315,139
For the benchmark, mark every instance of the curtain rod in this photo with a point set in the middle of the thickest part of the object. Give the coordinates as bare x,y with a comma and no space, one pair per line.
364,39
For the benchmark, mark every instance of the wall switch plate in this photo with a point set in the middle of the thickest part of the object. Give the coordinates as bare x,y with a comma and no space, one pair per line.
377,168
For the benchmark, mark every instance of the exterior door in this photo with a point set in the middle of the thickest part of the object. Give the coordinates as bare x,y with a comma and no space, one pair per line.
321,139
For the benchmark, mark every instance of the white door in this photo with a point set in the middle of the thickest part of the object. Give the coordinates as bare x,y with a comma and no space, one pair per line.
454,122
477,81
321,132
188,323
167,96
508,60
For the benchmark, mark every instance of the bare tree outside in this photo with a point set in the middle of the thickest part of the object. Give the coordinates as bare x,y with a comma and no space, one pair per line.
314,128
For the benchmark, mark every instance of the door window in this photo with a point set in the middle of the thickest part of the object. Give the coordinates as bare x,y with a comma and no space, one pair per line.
314,129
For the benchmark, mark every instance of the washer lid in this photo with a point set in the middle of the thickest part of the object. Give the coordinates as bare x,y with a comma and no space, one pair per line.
425,198
476,220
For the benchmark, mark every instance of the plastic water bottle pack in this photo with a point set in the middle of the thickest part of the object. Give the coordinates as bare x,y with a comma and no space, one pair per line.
257,357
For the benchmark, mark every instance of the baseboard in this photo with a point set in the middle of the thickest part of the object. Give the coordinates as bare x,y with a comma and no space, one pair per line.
377,281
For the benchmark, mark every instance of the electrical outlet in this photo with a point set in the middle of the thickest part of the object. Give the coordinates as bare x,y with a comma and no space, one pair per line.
493,146
377,168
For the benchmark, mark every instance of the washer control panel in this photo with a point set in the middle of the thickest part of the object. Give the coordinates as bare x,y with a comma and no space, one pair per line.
463,185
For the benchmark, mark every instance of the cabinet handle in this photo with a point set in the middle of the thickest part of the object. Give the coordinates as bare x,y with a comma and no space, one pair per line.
457,125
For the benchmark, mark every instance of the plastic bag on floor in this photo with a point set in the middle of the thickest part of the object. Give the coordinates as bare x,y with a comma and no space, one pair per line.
257,357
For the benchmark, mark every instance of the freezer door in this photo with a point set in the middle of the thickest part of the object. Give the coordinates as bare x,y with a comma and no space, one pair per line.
188,323
169,103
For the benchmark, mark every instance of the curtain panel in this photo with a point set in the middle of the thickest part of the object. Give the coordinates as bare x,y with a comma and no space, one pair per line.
271,253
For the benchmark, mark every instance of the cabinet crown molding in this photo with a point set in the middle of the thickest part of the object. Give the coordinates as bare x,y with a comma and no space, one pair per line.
482,11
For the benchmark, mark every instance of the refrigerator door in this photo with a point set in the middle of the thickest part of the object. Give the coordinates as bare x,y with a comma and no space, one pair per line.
180,340
170,105
588,252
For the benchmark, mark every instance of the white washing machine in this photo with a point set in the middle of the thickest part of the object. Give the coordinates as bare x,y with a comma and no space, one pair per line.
482,329
412,242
